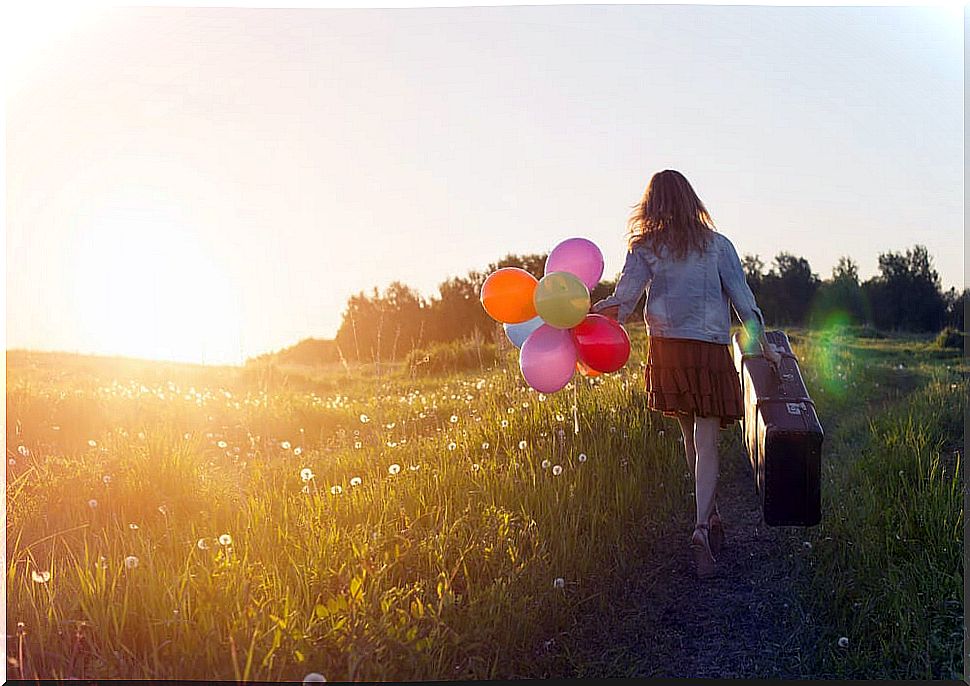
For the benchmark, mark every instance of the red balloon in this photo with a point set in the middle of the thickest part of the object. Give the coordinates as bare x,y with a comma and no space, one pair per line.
602,344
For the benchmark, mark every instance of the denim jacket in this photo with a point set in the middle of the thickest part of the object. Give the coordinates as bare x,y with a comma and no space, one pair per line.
687,298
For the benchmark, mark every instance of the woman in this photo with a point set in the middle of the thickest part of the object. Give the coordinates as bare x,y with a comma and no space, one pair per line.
692,275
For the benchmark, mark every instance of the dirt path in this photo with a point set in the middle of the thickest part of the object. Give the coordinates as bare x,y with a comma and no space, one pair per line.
746,622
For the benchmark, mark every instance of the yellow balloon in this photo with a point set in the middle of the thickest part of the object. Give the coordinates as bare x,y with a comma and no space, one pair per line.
561,299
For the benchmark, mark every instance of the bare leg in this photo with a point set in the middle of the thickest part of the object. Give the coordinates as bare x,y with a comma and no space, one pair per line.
687,428
705,487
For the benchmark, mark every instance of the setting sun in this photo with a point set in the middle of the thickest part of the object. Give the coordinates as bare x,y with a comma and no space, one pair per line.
149,288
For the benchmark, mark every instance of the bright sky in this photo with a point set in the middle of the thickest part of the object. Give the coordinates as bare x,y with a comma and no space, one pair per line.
210,184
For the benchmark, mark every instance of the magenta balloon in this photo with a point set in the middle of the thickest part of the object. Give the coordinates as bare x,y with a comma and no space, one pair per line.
548,359
578,256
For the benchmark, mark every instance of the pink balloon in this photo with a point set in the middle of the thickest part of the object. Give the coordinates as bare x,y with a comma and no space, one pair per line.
578,256
548,359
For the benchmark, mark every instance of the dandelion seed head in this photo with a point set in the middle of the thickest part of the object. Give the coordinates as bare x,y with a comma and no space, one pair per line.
485,445
285,445
222,444
394,469
559,582
454,419
476,467
106,479
505,423
557,470
336,490
364,419
546,464
40,577
202,544
92,503
356,481
22,449
225,539
357,445
844,642
133,526
93,443
582,457
131,562
306,474
11,462
298,451
163,509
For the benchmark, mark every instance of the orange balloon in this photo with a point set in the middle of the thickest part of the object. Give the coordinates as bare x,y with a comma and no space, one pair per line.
507,295
586,370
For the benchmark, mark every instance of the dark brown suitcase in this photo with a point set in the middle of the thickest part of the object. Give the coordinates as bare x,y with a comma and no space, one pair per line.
782,435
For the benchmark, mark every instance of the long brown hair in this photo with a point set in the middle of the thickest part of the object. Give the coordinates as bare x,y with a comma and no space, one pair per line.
670,214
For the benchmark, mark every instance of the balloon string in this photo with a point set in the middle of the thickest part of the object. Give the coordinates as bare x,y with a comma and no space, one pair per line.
575,409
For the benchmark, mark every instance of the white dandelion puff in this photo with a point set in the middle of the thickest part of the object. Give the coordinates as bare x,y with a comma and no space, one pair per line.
106,479
559,417
557,470
485,445
22,449
336,490
131,562
356,481
93,443
298,451
202,544
505,423
454,419
225,539
357,445
285,445
394,469
546,464
452,445
364,419
476,467
133,526
522,445
844,642
306,474
40,577
559,582
92,503
222,444
582,457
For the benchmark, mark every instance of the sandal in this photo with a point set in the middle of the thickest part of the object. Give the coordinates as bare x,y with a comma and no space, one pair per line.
701,549
717,534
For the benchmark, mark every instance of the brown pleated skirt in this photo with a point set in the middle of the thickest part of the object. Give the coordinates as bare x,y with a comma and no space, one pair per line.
686,376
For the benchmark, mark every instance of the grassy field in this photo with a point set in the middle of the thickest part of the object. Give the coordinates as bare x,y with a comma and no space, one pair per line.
170,521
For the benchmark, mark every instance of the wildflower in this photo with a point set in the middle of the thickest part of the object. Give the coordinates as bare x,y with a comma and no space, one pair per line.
336,490
394,469
225,539
40,577
559,582
582,457
131,562
546,464
222,444
306,474
364,419
202,544
93,443
133,526
557,470
356,481
844,642
285,445
454,418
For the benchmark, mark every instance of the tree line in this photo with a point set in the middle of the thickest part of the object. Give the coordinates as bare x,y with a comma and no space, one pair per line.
905,295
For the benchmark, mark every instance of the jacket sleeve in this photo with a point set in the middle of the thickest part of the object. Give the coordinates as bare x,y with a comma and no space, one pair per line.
736,286
629,287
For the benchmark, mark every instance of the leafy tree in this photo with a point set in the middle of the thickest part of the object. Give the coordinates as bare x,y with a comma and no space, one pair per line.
906,294
842,296
788,289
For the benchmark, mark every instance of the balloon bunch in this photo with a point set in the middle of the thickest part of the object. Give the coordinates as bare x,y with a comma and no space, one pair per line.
548,319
